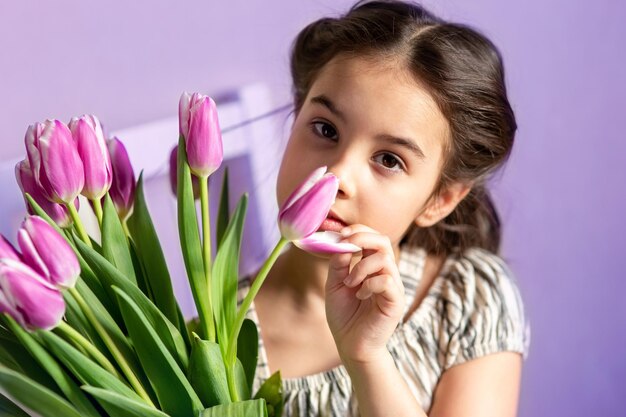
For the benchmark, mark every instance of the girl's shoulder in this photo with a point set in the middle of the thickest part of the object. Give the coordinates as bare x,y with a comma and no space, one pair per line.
476,306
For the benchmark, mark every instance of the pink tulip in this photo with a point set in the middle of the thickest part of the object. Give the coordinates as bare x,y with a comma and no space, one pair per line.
302,214
92,148
7,251
122,190
28,298
47,252
174,175
199,125
307,207
55,161
57,212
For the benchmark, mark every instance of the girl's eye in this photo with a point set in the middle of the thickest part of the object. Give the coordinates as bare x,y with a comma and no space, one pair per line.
325,130
390,162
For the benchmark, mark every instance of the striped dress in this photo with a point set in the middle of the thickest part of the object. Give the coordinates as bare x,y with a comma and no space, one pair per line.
473,308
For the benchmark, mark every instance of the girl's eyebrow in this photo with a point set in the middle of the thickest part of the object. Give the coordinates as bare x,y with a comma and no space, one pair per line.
405,143
326,102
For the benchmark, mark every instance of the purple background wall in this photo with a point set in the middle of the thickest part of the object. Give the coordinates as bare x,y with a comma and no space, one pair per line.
562,195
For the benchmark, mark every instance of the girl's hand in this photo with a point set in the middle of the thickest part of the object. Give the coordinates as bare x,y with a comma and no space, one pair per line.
364,306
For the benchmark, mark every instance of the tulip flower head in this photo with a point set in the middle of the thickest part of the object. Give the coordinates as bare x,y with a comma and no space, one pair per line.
302,214
28,298
26,181
199,125
47,252
87,133
54,160
122,190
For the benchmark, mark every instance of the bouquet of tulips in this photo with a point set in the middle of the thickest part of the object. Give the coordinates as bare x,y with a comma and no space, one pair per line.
92,328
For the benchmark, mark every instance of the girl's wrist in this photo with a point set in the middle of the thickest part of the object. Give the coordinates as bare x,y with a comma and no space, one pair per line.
366,361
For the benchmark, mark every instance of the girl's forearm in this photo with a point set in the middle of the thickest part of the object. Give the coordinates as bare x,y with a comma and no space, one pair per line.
381,390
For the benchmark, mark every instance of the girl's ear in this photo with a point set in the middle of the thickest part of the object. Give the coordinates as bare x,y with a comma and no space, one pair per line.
442,204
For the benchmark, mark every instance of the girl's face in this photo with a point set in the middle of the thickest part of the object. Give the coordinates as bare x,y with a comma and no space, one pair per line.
380,133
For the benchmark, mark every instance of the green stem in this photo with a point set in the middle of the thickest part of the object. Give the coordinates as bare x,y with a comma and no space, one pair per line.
79,224
206,254
78,339
97,209
132,378
241,315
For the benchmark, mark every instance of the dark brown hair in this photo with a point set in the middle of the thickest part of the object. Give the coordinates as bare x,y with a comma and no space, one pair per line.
463,72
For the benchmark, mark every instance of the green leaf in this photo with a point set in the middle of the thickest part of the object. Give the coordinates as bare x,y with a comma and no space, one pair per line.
190,238
119,406
150,254
33,397
41,213
272,392
207,373
85,369
64,382
9,408
142,277
168,333
248,349
251,408
172,388
241,384
114,241
225,275
223,213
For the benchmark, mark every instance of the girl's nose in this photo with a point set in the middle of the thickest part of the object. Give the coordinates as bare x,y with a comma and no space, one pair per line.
345,172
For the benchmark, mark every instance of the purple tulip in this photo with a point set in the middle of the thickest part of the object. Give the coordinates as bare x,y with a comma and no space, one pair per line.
57,212
199,125
47,252
122,190
28,298
87,133
55,161
174,175
7,251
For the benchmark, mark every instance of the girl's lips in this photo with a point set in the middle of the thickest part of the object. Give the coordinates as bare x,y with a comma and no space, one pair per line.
332,225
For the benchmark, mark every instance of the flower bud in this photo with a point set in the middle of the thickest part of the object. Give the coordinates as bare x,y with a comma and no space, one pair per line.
122,190
28,298
47,252
199,125
54,160
307,207
87,133
57,212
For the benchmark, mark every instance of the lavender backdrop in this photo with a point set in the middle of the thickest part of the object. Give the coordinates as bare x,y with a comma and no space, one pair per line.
562,195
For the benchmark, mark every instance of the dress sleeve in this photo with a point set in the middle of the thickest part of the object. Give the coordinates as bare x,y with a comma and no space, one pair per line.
481,309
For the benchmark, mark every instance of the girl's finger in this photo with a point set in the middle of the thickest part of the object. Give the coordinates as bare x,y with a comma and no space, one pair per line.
384,286
378,263
369,241
338,269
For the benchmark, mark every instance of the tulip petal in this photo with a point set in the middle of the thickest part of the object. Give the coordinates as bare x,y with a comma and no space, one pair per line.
123,184
304,187
30,255
7,250
306,214
52,249
62,175
93,152
203,141
26,181
183,113
326,242
40,304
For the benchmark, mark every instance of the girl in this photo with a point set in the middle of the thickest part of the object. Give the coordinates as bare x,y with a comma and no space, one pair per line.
411,114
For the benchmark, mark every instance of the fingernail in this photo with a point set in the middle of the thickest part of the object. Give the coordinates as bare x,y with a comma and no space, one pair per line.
347,281
345,231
